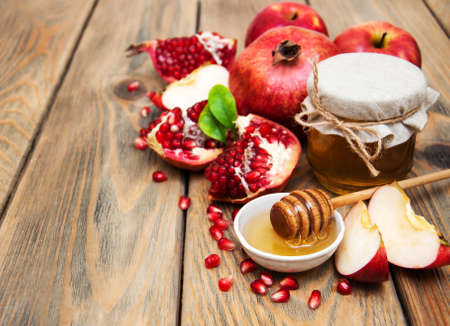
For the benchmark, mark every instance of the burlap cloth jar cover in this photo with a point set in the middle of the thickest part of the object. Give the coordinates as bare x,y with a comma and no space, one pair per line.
370,87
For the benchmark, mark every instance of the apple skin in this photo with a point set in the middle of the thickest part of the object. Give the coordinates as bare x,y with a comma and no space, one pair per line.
284,14
375,271
442,259
363,37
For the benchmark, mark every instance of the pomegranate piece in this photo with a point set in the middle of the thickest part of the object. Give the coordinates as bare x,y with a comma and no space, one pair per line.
234,213
133,86
175,58
261,161
140,143
282,295
216,233
184,203
159,176
289,283
267,279
156,99
259,287
213,216
226,283
145,111
214,209
221,224
343,286
226,244
212,261
247,266
314,300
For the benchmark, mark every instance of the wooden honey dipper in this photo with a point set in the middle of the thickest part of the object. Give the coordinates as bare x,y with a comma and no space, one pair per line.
303,212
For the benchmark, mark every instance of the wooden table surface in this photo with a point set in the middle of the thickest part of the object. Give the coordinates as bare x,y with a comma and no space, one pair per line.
86,238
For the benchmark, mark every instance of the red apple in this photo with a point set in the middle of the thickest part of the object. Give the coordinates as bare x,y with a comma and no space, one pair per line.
284,14
361,255
410,241
379,37
272,88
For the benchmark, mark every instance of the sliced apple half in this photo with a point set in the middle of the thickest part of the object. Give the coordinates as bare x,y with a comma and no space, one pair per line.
361,255
410,241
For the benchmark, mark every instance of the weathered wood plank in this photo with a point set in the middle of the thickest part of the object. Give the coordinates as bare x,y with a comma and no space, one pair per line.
38,38
202,301
441,8
88,238
423,293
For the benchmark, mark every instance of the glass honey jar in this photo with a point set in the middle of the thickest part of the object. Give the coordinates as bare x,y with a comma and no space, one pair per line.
362,114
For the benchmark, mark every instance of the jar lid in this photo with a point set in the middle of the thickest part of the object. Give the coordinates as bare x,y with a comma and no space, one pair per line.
369,86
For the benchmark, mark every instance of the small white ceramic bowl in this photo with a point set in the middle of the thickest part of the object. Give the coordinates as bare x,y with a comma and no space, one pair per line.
286,264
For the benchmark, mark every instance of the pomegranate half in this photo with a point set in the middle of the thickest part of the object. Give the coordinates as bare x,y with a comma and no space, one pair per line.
175,58
261,161
269,77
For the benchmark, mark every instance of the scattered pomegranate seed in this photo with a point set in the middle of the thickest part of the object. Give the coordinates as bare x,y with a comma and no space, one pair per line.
212,261
344,287
133,86
259,287
226,244
282,295
235,211
140,143
225,283
214,209
247,266
221,224
145,111
266,278
212,216
314,300
289,283
216,233
184,202
159,176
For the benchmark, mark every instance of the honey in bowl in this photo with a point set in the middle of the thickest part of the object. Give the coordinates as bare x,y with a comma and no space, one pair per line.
260,234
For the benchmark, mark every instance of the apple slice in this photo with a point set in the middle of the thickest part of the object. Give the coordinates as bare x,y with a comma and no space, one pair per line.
410,241
361,255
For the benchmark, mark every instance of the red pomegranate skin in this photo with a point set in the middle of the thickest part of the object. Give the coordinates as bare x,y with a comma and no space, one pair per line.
276,91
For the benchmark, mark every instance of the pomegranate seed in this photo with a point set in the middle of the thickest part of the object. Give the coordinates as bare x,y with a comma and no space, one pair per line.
225,283
184,202
226,244
282,295
214,209
247,266
212,216
289,283
266,278
259,287
145,111
344,287
159,176
133,86
235,211
221,224
143,132
140,143
212,261
216,233
314,300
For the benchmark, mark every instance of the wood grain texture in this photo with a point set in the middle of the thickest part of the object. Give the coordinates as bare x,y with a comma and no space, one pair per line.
441,8
37,39
88,238
203,303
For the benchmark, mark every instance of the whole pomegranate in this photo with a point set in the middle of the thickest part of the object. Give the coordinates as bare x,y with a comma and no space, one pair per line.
269,77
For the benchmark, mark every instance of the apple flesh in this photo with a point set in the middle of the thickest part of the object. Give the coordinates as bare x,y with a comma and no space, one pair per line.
361,255
410,241
284,14
379,37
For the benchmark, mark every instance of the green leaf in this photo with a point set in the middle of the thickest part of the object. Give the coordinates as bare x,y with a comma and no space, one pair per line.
210,126
222,106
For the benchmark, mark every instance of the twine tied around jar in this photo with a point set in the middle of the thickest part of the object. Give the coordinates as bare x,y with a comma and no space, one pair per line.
348,128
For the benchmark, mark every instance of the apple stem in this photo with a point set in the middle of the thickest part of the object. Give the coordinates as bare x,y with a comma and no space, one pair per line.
285,51
380,44
294,16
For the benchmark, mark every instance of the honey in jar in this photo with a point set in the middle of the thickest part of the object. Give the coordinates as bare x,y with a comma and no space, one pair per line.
376,100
